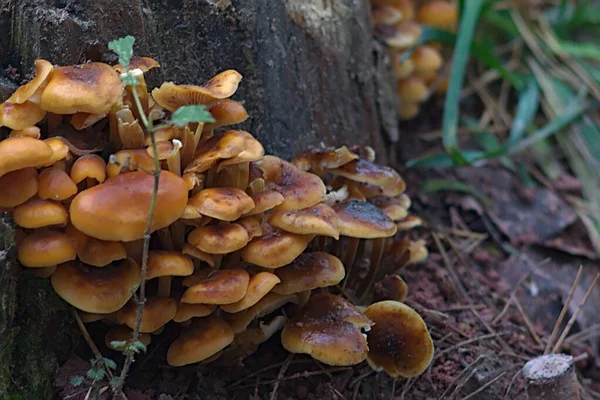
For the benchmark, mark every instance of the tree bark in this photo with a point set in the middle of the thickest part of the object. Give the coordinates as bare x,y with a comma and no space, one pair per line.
313,75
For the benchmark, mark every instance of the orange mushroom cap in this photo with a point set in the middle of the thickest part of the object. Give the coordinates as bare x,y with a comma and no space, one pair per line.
157,312
168,263
223,203
363,220
223,287
22,152
26,91
38,213
319,220
96,252
309,271
221,146
45,249
219,239
55,184
258,287
18,186
89,166
275,249
20,116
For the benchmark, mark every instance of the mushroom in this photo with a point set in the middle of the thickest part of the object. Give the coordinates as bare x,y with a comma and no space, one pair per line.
157,312
223,203
309,271
399,342
300,189
97,290
222,287
412,90
166,264
91,88
55,184
268,304
31,131
20,116
124,334
222,146
258,287
317,159
18,186
45,249
235,171
426,59
94,251
118,209
31,90
246,343
367,172
38,213
391,287
219,239
129,160
438,14
131,134
225,112
60,150
319,220
329,329
275,249
393,207
195,252
265,201
171,96
187,311
23,152
81,121
203,339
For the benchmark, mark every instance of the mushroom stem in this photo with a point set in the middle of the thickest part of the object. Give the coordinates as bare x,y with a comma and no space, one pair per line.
303,298
211,174
166,241
188,145
234,259
551,377
243,175
90,182
164,286
349,255
54,121
198,136
174,158
376,255
178,234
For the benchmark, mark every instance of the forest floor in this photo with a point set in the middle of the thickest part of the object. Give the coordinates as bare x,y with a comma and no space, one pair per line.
502,260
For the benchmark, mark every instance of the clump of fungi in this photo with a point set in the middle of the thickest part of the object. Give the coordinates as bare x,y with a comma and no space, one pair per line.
237,235
400,24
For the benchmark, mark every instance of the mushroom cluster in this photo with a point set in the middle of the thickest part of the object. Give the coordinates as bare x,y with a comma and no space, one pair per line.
400,23
236,236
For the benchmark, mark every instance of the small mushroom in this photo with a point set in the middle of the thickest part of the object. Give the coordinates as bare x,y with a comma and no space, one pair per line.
275,249
329,329
258,287
391,287
438,14
226,112
202,340
367,172
223,287
399,342
219,147
97,290
32,90
18,186
319,220
219,239
45,249
166,264
187,311
317,159
309,271
38,213
94,251
23,152
223,203
89,167
412,89
264,201
55,184
268,304
157,312
20,116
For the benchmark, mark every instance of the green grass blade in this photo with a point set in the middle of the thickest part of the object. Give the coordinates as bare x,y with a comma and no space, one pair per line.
466,32
586,50
527,107
452,185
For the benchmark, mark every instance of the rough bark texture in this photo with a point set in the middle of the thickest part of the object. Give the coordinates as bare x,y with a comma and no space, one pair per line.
312,75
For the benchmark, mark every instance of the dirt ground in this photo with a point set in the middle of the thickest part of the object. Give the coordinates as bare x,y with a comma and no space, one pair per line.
526,245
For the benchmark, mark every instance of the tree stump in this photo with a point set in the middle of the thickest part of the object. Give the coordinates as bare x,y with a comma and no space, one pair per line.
313,75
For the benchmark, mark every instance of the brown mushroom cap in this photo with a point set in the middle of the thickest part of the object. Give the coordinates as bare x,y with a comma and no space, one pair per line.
319,158
226,112
399,342
203,339
223,203
254,151
367,190
23,152
157,312
408,222
265,201
195,252
221,86
252,225
309,271
31,131
124,334
412,89
319,220
18,186
269,303
37,213
300,189
168,263
60,149
143,63
367,172
26,91
223,287
198,276
438,14
221,146
97,290
187,311
89,166
94,251
391,287
118,209
20,116
45,249
364,220
328,328
426,59
55,184
275,249
92,88
258,287
393,207
219,239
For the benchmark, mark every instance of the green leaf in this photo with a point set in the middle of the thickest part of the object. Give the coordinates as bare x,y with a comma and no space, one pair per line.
527,107
118,344
114,381
128,79
441,185
137,346
124,49
76,380
96,374
186,114
441,160
109,363
466,33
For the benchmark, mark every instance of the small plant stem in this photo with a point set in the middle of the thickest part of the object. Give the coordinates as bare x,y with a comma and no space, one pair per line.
129,352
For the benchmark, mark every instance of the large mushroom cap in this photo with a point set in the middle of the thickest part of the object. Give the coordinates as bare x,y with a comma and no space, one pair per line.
309,271
22,152
97,290
221,86
223,287
223,203
118,209
157,312
328,328
300,189
203,339
276,249
92,88
399,342
363,220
